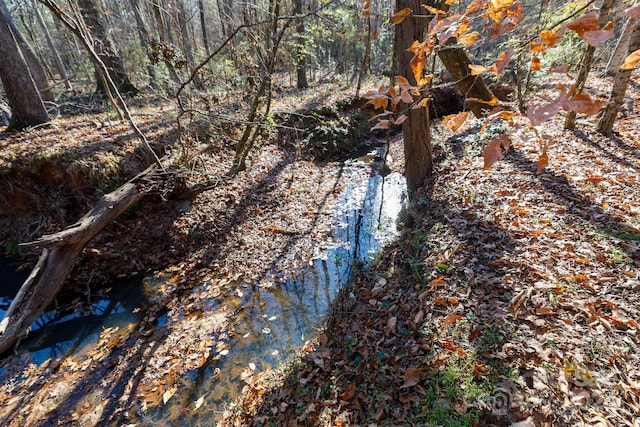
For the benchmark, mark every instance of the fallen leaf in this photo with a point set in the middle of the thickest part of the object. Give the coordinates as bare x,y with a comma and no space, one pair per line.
411,377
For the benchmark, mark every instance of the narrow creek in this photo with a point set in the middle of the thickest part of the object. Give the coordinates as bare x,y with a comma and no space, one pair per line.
274,318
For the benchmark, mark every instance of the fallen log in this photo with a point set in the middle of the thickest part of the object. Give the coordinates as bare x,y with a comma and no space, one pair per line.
59,254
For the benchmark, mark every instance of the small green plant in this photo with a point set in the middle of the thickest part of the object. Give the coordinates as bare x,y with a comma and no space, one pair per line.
617,257
451,388
616,232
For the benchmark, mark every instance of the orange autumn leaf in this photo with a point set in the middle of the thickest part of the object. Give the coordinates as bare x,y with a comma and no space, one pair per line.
469,39
496,150
378,100
583,103
452,319
536,65
476,69
536,47
581,278
549,38
475,6
497,4
543,161
401,15
433,10
631,60
417,66
454,121
500,114
503,60
438,281
594,179
492,102
588,22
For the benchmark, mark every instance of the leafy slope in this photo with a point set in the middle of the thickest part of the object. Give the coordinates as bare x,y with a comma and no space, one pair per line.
513,303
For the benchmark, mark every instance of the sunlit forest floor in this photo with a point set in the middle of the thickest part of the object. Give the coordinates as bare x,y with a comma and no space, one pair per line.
512,302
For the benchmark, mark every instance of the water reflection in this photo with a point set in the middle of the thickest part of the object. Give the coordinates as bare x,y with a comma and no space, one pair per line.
277,316
56,334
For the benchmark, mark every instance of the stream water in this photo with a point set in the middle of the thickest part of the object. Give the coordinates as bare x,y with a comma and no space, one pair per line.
273,321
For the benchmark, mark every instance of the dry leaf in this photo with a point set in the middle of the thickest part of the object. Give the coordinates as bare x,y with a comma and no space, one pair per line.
411,377
401,15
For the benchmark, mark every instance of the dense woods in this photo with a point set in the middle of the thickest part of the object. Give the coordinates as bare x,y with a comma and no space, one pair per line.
147,137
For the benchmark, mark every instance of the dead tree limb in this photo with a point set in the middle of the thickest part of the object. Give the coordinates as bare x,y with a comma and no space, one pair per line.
51,271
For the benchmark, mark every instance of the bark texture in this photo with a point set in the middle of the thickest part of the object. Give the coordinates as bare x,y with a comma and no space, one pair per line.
34,65
620,83
301,60
106,49
23,96
416,130
457,62
620,51
587,58
47,278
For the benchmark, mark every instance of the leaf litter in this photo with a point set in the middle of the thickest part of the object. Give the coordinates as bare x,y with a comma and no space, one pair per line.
513,303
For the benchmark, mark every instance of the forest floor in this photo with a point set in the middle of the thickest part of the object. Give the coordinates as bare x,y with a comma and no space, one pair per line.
511,303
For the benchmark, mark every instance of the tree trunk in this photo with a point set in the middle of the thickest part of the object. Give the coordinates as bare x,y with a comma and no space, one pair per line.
106,49
203,26
183,27
145,40
416,130
367,55
38,73
164,34
585,64
62,71
23,96
457,62
619,89
301,60
620,51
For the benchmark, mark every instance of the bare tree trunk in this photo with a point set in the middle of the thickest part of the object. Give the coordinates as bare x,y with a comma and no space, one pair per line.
301,60
164,34
367,55
585,64
185,37
457,61
203,26
620,51
416,130
619,89
145,40
52,46
106,49
35,67
23,96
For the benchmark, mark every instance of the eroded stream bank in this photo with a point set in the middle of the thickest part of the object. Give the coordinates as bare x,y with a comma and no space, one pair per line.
268,317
